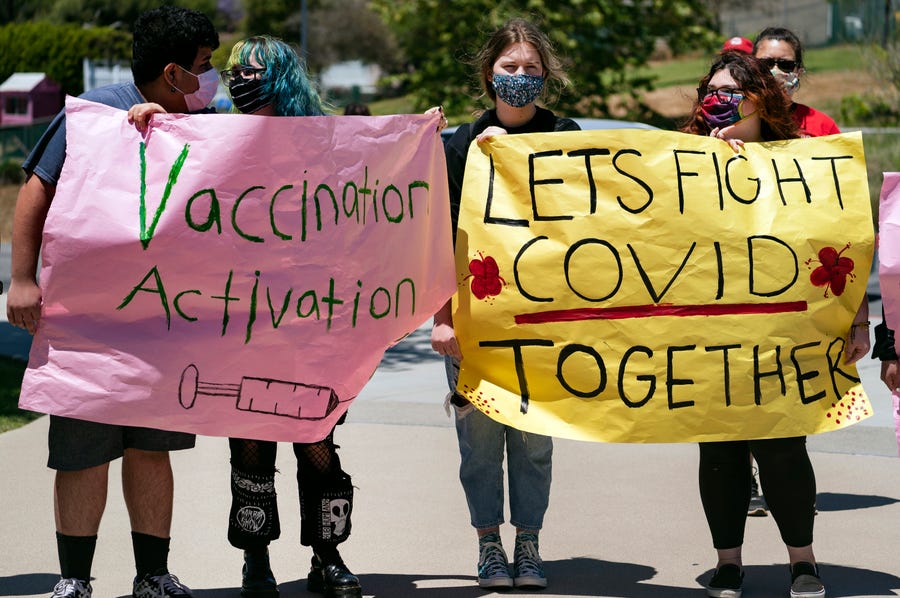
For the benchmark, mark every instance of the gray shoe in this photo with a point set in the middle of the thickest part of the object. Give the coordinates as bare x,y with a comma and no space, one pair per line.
805,582
68,587
164,585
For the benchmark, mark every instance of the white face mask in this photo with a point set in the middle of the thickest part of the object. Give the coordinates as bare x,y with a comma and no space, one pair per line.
791,80
208,83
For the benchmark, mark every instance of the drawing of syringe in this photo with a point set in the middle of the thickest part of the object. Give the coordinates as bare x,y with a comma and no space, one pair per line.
262,395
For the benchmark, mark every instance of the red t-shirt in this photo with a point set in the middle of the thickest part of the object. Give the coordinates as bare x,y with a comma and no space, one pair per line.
811,122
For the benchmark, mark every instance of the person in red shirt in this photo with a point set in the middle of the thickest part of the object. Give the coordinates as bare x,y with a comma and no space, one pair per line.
781,52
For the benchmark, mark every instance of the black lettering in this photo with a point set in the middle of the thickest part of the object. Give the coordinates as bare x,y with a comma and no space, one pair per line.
516,345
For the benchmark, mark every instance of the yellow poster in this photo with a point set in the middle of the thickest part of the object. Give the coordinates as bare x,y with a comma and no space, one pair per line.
651,286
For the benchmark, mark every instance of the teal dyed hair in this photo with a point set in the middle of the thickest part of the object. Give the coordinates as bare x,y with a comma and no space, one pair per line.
285,79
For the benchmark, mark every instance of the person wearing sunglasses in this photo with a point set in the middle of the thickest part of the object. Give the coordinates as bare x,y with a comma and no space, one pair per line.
780,51
739,101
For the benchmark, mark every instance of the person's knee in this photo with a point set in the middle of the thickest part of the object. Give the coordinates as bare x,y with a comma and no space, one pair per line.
134,456
147,467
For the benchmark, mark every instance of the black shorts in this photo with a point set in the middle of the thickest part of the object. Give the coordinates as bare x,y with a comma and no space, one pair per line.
77,444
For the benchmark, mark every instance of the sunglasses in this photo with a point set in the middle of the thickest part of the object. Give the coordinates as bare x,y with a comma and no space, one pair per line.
724,95
784,65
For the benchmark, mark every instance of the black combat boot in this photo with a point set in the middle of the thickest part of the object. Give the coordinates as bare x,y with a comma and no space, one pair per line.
258,580
330,576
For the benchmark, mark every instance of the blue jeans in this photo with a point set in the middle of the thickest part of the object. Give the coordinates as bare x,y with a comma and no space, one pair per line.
529,460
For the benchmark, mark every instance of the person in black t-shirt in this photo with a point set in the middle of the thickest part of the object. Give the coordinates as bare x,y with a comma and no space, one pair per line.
515,66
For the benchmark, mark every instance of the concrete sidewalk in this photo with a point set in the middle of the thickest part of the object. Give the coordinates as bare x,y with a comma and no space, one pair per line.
624,520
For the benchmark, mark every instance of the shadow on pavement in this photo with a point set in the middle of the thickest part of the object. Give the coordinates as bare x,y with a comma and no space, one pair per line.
28,584
412,350
571,577
840,582
829,501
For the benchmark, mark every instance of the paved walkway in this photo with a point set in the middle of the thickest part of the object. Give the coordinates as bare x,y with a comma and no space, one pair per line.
624,520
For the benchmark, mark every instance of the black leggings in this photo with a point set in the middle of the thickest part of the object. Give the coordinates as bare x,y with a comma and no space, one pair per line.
253,464
787,480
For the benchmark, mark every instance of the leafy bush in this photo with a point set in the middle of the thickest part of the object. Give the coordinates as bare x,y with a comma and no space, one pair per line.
869,109
879,107
11,172
11,372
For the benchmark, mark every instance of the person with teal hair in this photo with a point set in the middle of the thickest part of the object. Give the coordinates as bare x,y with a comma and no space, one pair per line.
266,77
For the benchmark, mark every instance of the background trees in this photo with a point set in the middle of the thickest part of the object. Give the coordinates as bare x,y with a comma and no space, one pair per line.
604,41
58,50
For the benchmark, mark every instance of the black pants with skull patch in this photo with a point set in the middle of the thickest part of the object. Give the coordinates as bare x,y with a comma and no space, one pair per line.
326,494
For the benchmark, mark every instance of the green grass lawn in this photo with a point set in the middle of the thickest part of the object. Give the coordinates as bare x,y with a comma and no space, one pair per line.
11,371
684,71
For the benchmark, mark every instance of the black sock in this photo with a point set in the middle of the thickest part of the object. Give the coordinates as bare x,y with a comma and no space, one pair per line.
151,554
76,555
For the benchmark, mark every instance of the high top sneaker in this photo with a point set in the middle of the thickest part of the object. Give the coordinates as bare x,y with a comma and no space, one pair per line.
493,566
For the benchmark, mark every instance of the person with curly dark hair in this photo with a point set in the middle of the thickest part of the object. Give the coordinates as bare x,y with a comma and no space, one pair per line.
739,101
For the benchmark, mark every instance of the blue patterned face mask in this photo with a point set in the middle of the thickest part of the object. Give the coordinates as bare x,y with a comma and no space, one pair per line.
518,90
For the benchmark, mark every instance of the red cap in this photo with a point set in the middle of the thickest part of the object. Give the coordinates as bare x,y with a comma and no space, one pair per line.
742,44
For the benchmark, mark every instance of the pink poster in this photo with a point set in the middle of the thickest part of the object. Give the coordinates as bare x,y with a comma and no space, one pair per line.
889,261
235,275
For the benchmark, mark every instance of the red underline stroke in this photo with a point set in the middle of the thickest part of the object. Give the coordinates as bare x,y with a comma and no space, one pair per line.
649,311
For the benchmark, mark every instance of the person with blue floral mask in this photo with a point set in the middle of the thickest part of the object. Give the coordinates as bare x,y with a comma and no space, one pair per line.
739,101
780,51
516,66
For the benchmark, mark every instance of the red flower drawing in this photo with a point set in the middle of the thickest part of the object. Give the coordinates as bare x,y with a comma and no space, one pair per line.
833,271
485,275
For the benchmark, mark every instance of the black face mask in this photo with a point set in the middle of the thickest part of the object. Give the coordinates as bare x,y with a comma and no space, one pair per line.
247,95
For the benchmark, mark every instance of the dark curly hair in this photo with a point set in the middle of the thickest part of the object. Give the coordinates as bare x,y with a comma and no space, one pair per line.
169,34
759,86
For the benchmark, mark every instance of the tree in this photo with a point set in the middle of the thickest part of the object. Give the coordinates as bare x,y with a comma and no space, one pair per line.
342,30
605,42
338,30
271,17
58,50
119,13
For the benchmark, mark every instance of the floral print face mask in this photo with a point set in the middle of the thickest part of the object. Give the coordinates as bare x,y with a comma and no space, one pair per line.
518,90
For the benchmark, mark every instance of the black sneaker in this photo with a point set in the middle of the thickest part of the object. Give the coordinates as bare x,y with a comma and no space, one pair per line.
333,580
805,582
758,506
726,582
